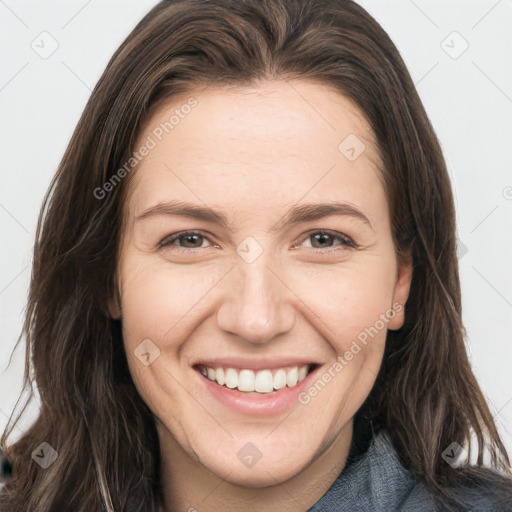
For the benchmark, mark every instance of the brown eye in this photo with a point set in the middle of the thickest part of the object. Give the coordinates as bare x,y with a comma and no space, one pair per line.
186,240
321,239
326,239
191,240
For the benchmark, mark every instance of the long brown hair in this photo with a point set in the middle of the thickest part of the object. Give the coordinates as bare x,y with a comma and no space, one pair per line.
426,395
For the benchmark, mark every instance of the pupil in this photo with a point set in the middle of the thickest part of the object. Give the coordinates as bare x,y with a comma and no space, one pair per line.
191,237
322,237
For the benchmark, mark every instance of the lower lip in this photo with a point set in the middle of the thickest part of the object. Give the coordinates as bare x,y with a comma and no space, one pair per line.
264,405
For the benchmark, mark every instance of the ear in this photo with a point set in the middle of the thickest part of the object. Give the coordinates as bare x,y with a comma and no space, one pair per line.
401,292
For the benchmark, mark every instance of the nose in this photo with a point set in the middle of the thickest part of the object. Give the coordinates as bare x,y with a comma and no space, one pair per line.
257,307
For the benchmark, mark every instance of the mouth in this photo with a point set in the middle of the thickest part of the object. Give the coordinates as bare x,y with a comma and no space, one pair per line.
262,382
261,389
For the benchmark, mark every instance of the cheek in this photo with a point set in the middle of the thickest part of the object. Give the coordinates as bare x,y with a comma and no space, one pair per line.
352,302
158,301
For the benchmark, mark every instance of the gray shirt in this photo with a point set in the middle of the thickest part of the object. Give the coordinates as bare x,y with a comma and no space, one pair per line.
377,482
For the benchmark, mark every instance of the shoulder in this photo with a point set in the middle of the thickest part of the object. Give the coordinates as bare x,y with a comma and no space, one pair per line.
483,489
476,488
377,481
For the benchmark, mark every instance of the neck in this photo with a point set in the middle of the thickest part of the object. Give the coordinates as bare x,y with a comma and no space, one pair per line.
188,485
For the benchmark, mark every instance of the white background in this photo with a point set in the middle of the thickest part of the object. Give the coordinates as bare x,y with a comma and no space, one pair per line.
468,98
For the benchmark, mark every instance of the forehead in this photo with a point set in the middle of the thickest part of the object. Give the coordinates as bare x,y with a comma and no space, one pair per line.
277,141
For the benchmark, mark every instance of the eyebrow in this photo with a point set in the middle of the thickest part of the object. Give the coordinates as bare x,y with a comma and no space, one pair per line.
304,212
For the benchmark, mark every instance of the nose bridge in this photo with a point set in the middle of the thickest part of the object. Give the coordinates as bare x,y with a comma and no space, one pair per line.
257,296
256,307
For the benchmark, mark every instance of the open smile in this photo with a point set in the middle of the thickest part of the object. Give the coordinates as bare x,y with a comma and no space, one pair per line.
264,392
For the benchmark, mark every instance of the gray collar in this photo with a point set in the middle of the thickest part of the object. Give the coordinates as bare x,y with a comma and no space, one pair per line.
377,482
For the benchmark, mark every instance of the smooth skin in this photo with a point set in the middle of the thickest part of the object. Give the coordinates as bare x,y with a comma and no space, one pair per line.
253,153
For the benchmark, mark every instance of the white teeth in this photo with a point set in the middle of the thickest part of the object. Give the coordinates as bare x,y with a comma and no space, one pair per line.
231,378
303,371
219,376
280,379
262,381
292,377
246,380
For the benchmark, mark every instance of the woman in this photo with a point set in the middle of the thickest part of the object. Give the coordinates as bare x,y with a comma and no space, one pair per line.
195,345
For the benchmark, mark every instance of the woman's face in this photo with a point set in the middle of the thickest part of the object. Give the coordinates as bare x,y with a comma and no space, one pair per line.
257,174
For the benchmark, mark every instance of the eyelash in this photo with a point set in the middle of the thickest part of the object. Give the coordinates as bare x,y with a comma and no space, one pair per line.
345,240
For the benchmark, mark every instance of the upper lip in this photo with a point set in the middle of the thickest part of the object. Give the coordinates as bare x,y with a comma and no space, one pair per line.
253,364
